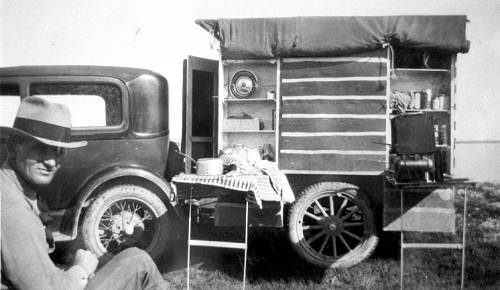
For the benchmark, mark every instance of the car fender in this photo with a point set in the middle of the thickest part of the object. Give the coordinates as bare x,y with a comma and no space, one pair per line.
71,220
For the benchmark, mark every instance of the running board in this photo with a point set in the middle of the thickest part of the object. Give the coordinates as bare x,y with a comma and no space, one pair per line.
59,237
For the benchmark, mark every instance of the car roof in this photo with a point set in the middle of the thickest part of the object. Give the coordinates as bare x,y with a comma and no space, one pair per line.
124,73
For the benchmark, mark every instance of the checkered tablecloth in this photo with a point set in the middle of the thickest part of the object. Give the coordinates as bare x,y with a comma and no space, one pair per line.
258,187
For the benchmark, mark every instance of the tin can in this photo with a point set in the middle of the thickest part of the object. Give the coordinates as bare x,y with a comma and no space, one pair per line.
443,134
428,99
424,104
444,102
416,100
436,134
436,104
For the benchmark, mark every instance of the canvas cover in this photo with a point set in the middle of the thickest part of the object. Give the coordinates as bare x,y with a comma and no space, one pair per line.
256,38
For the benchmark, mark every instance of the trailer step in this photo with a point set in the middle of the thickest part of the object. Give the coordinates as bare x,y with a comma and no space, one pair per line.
432,246
217,244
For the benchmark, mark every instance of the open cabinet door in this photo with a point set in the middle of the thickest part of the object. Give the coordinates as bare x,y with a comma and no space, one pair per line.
200,107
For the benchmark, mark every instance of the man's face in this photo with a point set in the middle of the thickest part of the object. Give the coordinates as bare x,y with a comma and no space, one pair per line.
37,162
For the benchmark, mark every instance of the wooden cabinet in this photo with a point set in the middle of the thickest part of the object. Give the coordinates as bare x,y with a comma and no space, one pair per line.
336,107
249,119
432,92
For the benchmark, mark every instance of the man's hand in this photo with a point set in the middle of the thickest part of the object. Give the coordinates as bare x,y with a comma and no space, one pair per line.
87,260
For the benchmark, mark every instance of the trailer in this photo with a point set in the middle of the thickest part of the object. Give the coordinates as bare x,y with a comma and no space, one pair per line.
348,108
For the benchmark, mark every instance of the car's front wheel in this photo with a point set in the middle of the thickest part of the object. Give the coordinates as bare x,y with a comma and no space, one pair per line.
125,216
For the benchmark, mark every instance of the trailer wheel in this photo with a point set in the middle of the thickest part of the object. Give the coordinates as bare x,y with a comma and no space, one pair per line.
331,225
125,216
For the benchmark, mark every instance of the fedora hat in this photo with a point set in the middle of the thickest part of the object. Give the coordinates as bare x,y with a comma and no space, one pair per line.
47,122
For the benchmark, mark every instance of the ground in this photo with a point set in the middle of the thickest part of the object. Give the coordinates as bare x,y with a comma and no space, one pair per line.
272,264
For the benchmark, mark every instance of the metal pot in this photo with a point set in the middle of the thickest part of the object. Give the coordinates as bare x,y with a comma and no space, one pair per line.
209,166
206,166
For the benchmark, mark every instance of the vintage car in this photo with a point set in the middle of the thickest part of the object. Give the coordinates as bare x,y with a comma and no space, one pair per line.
112,193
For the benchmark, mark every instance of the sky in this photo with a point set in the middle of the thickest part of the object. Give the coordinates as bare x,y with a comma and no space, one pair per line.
158,35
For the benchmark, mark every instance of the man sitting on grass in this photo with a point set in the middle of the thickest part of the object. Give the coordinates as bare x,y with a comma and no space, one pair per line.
36,145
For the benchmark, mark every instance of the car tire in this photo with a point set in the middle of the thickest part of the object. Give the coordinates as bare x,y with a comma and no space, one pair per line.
331,225
125,216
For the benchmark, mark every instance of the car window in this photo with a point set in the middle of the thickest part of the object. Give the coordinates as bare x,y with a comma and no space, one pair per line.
10,98
91,104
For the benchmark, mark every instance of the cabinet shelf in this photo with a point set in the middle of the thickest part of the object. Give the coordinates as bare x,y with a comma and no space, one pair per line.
256,100
248,131
420,70
427,111
409,111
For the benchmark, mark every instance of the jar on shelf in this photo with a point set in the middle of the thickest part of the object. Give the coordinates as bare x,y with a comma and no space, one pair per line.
436,104
428,99
444,102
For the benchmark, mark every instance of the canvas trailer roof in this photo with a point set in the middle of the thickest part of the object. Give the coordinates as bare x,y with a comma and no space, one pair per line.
260,38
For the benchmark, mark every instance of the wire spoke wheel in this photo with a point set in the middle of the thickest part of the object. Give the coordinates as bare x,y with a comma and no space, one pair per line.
126,216
127,223
331,225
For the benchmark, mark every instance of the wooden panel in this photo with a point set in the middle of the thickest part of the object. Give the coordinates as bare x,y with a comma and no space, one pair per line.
362,88
233,215
425,210
337,142
332,162
332,125
334,106
333,69
330,96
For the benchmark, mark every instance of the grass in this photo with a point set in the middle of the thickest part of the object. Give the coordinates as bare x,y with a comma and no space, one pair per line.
272,264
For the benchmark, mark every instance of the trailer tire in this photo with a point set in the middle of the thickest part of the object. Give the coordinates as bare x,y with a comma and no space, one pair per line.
341,237
123,216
